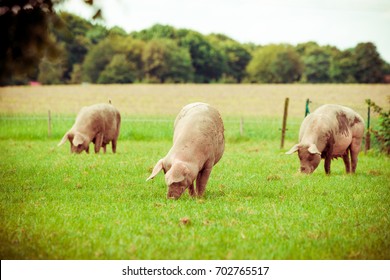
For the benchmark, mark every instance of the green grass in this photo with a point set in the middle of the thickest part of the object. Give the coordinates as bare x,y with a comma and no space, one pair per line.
55,205
144,129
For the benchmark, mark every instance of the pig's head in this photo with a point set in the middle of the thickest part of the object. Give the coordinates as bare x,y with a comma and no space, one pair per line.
309,156
78,142
177,177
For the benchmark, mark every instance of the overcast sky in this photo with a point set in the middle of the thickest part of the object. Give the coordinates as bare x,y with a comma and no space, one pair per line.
342,23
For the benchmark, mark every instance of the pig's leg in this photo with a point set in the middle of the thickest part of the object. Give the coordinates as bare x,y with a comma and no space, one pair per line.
347,162
87,150
328,159
202,179
191,190
327,164
98,142
355,149
104,148
113,144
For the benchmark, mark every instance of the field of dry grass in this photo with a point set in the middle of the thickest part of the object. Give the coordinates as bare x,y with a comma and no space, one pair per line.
167,100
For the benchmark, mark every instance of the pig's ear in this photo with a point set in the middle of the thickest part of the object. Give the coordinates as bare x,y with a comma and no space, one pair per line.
156,169
78,139
293,149
178,173
64,139
313,149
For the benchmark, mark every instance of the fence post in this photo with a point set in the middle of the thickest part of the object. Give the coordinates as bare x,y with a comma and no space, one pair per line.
284,122
368,134
242,126
49,124
307,110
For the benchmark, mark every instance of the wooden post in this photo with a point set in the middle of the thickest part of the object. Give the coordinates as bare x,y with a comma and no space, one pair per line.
49,124
307,110
284,122
242,127
368,134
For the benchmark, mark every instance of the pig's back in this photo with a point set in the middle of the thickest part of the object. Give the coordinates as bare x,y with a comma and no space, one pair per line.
99,117
202,125
339,122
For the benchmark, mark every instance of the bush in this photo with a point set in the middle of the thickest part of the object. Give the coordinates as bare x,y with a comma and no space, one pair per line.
382,134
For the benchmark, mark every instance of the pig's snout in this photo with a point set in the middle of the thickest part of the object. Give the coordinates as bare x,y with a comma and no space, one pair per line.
306,170
175,192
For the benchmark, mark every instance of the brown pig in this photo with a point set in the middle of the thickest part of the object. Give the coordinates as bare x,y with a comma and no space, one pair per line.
99,124
198,144
329,132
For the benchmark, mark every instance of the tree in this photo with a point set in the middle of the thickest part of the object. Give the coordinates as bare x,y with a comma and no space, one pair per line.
317,61
157,31
208,62
50,72
165,61
118,71
343,67
369,64
97,59
97,33
116,30
237,57
71,34
25,39
132,49
101,55
76,76
275,64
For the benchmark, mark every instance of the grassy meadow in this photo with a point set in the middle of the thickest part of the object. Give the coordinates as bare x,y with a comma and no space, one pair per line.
56,205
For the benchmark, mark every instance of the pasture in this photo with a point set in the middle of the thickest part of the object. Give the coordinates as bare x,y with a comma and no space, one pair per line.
56,205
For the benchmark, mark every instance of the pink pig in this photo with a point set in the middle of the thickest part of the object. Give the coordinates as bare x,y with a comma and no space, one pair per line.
198,144
99,124
329,132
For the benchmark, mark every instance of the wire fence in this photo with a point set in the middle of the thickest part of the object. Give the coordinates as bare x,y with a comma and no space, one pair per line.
137,128
155,128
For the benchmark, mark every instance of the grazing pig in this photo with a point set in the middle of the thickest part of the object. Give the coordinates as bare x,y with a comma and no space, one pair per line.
198,144
99,124
329,132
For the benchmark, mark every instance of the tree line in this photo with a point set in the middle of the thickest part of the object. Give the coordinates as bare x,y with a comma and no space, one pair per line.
91,53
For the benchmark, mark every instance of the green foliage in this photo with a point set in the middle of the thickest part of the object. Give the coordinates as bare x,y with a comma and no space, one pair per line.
212,58
207,60
117,31
316,62
275,64
386,68
97,59
157,31
368,64
343,67
71,26
382,134
237,57
96,34
76,76
25,38
164,60
50,73
102,55
118,71
72,35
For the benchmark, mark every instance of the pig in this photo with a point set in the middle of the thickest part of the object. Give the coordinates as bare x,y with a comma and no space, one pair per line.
329,132
198,144
99,123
